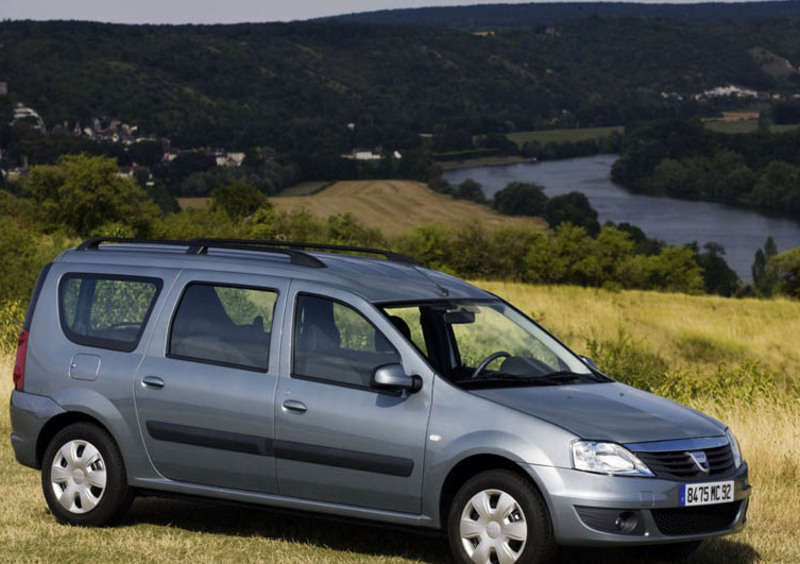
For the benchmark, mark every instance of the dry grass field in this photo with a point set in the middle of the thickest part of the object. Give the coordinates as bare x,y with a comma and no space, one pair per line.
395,206
168,531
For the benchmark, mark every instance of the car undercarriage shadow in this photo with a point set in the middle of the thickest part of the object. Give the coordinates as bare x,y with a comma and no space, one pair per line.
375,540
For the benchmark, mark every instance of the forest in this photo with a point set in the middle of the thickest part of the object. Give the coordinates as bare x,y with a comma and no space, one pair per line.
684,159
491,16
296,87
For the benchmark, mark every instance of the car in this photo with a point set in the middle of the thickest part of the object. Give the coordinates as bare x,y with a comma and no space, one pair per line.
350,382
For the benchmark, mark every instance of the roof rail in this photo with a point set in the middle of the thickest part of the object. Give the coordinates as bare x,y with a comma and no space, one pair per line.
294,245
201,246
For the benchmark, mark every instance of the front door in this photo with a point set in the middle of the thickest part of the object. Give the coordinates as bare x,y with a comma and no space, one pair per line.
205,391
338,439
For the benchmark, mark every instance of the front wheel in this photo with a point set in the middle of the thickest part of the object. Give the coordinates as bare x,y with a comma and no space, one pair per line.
497,517
83,477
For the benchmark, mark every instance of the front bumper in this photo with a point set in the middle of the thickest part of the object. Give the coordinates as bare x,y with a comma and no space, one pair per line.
575,498
29,414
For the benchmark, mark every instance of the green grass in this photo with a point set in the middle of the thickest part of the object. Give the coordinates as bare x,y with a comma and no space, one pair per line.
696,333
563,135
744,126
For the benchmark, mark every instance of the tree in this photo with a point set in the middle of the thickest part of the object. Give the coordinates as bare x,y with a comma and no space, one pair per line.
237,199
146,153
764,278
718,277
573,208
470,190
785,269
519,198
84,193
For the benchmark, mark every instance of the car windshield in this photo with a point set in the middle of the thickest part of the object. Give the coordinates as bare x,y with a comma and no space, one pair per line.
487,344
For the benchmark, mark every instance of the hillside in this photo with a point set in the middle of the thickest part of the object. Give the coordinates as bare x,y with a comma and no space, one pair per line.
548,13
395,206
296,87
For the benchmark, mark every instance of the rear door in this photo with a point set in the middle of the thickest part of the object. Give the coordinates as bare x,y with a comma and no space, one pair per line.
337,439
205,391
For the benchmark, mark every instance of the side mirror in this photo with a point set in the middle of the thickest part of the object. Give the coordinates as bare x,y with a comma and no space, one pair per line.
393,377
590,363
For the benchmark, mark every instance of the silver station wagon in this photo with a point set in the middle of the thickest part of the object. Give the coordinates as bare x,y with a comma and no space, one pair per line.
350,382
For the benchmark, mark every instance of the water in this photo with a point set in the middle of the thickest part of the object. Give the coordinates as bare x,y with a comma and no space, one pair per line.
741,232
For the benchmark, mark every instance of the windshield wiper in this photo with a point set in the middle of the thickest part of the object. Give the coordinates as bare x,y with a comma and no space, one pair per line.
574,375
547,380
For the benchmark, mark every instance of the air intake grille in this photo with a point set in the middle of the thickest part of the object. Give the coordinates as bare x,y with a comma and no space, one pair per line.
695,520
679,465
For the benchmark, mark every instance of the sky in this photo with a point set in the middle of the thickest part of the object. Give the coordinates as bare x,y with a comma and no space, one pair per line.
216,11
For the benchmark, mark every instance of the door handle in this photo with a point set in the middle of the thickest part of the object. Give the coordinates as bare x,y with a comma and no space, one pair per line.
153,382
294,405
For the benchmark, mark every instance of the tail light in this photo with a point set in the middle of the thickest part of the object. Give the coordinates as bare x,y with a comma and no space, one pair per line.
19,363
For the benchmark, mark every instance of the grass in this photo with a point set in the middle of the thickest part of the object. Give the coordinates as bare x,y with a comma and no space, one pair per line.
396,206
695,332
161,530
563,135
193,203
744,126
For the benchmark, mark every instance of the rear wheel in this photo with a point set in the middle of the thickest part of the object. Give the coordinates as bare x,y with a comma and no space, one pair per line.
497,517
83,477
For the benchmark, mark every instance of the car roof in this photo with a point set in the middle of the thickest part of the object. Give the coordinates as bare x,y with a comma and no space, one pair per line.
376,280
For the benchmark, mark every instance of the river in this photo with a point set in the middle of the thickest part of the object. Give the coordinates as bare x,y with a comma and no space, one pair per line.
740,231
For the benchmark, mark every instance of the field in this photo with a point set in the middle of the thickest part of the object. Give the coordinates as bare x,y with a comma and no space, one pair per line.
743,126
563,135
692,333
395,206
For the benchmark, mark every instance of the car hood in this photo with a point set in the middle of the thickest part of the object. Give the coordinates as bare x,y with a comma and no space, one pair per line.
607,412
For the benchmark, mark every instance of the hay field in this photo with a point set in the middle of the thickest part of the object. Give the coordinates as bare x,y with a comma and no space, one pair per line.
395,206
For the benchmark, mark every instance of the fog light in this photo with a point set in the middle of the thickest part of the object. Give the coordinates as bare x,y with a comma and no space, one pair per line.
626,522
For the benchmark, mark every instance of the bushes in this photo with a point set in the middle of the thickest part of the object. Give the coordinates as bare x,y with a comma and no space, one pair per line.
629,361
82,194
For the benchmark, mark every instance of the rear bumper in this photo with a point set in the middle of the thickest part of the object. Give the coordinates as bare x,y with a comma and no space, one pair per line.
29,414
584,507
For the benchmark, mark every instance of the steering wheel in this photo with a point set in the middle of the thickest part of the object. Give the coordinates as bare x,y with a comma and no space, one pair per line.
488,360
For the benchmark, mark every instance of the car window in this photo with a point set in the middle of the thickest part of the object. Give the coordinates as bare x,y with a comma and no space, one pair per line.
334,342
106,311
224,325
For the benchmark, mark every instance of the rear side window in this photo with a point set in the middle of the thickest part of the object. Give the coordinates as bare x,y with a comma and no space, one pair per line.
225,325
106,311
335,343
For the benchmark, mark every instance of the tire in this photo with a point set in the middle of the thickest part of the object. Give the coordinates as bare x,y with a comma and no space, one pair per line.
83,477
518,528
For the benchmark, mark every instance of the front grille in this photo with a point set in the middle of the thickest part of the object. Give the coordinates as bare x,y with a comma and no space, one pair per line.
695,520
679,465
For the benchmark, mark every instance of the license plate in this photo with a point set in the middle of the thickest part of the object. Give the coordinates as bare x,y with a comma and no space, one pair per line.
706,494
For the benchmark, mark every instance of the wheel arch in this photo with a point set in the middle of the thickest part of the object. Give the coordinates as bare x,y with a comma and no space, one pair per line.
59,422
472,466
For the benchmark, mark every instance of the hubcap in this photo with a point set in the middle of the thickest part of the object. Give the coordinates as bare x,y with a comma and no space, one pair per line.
78,476
493,528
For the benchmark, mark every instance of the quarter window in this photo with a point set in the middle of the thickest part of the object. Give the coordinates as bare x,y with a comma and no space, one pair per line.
224,325
334,342
106,311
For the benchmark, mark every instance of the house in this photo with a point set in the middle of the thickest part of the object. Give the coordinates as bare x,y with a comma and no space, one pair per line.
230,159
362,155
22,112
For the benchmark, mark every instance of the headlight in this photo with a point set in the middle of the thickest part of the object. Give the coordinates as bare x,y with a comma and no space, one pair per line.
737,452
607,458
